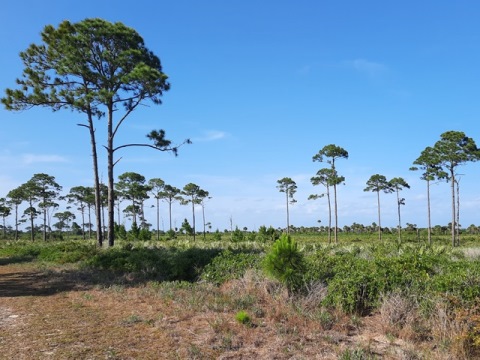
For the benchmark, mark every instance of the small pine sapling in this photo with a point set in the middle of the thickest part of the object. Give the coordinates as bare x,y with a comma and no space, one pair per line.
285,263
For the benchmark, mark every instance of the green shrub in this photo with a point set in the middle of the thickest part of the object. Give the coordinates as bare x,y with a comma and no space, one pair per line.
171,234
230,265
155,263
61,252
285,263
67,252
238,235
188,264
265,234
460,279
20,250
356,287
144,234
120,231
134,232
217,235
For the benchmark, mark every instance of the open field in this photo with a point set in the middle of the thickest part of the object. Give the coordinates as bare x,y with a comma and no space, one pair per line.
185,300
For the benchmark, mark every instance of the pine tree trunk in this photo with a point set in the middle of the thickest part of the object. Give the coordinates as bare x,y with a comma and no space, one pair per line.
379,220
452,179
429,215
399,219
96,186
193,217
111,197
336,213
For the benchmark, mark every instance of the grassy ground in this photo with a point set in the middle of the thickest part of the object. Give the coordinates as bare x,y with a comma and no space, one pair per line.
54,311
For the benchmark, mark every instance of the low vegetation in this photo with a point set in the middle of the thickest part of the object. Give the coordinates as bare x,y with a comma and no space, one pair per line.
424,297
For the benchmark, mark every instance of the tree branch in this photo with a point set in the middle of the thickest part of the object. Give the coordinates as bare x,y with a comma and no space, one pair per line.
125,116
174,149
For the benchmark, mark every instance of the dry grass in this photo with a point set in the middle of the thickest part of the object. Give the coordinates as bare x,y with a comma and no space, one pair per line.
69,314
448,332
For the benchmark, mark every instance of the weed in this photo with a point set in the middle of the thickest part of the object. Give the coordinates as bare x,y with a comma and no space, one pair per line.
326,319
243,318
87,296
356,321
194,352
132,319
357,354
227,342
244,301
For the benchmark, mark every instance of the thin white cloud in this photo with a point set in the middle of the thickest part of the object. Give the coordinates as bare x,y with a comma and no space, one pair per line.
211,135
367,67
304,70
34,158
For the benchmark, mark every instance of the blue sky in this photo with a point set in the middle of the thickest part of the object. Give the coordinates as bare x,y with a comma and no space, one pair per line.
260,87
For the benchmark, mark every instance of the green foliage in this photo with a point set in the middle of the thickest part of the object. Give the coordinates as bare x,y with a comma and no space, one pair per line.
186,227
265,234
134,232
120,232
144,234
171,234
243,318
67,252
238,235
357,277
155,263
188,264
460,278
285,263
357,354
230,265
20,250
355,288
217,235
61,252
